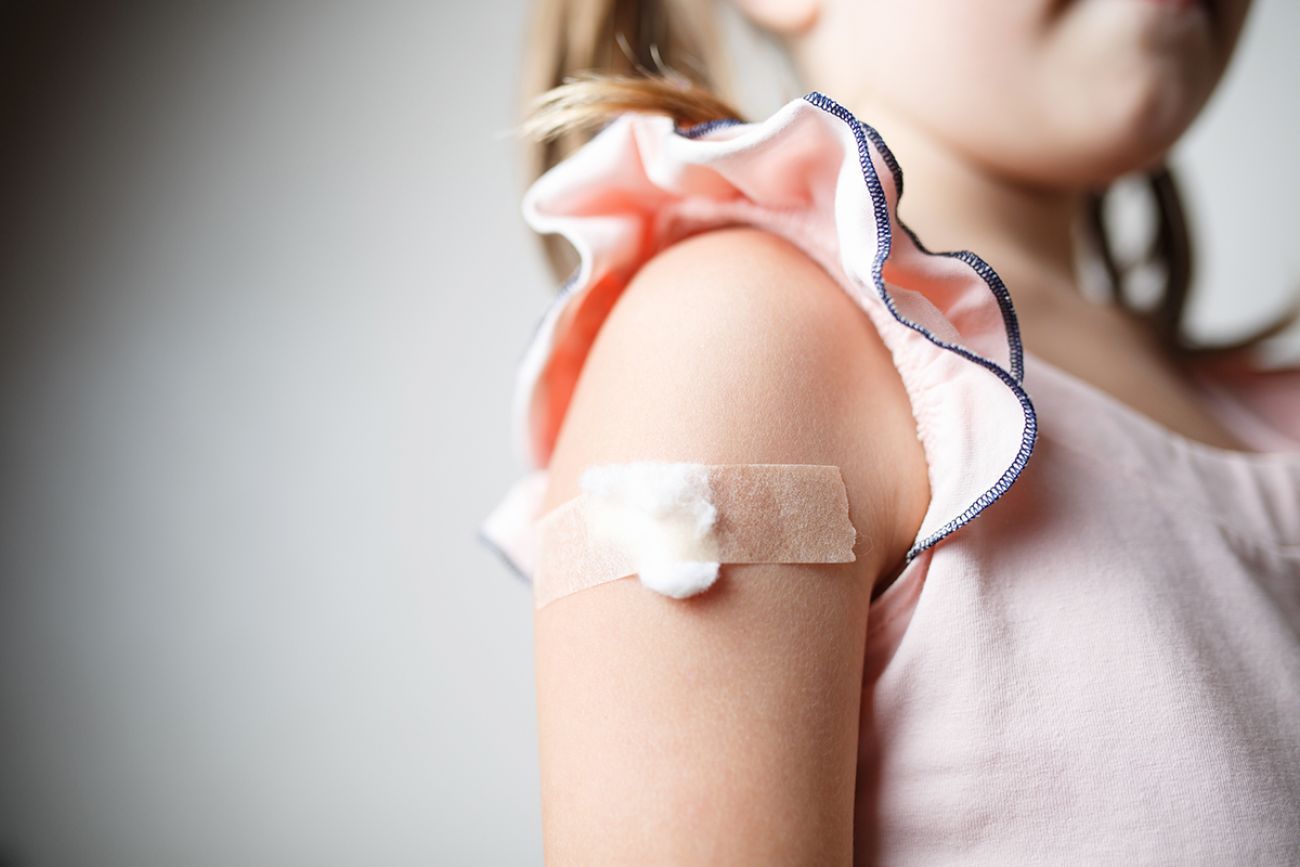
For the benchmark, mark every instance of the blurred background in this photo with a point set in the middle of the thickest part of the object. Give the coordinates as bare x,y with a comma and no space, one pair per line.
263,286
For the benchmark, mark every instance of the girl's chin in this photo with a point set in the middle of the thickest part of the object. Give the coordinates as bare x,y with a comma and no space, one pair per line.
1153,13
1163,31
1079,163
1132,119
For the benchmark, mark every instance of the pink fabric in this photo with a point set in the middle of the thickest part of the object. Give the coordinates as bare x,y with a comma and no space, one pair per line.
1092,655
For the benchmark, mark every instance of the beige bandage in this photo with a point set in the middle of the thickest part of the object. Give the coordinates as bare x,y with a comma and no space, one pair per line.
673,524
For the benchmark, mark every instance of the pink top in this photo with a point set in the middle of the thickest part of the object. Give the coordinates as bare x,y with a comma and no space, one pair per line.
1091,656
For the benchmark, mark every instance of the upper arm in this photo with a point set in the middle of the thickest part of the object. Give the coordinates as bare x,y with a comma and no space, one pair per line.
725,726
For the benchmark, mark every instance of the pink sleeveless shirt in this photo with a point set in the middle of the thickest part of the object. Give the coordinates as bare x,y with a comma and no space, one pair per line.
1091,656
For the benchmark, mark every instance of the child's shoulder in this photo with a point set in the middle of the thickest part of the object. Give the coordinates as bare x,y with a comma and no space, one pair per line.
751,283
733,346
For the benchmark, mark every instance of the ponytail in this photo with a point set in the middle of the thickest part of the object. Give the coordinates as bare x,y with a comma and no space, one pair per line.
590,60
1170,252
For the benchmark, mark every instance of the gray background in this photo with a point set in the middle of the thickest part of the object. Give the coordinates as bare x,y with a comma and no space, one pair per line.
264,285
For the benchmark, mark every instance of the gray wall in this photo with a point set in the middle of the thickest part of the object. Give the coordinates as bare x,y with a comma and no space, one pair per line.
264,286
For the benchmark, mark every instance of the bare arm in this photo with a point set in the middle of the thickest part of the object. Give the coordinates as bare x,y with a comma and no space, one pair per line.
723,728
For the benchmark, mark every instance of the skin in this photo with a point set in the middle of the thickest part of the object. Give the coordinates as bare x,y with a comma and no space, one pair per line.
723,728
1004,116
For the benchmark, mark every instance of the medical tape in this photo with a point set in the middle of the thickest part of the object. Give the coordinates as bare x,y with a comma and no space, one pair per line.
673,524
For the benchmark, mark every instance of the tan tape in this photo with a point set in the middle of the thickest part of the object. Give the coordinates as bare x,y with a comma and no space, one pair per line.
765,513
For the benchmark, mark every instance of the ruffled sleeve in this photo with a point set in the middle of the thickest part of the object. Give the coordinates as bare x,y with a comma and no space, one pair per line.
824,180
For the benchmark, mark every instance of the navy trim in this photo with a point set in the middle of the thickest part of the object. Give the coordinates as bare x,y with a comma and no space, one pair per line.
1013,379
698,129
984,269
884,244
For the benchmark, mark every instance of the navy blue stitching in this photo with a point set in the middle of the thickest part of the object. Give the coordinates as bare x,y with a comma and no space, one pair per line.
699,129
972,259
863,132
984,269
884,244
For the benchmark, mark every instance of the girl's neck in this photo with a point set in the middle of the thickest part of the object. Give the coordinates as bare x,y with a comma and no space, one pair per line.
1027,234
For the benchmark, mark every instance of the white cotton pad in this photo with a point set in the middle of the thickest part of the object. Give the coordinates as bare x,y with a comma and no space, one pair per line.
662,514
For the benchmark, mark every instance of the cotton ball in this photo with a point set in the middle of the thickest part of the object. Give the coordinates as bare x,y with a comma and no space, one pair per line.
663,515
680,578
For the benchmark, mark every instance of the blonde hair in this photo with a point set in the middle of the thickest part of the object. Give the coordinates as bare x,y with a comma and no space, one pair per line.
586,63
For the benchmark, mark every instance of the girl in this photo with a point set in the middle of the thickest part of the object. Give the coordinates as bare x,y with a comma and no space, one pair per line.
1069,631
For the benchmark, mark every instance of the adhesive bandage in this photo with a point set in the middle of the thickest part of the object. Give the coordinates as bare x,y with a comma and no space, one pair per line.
674,524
